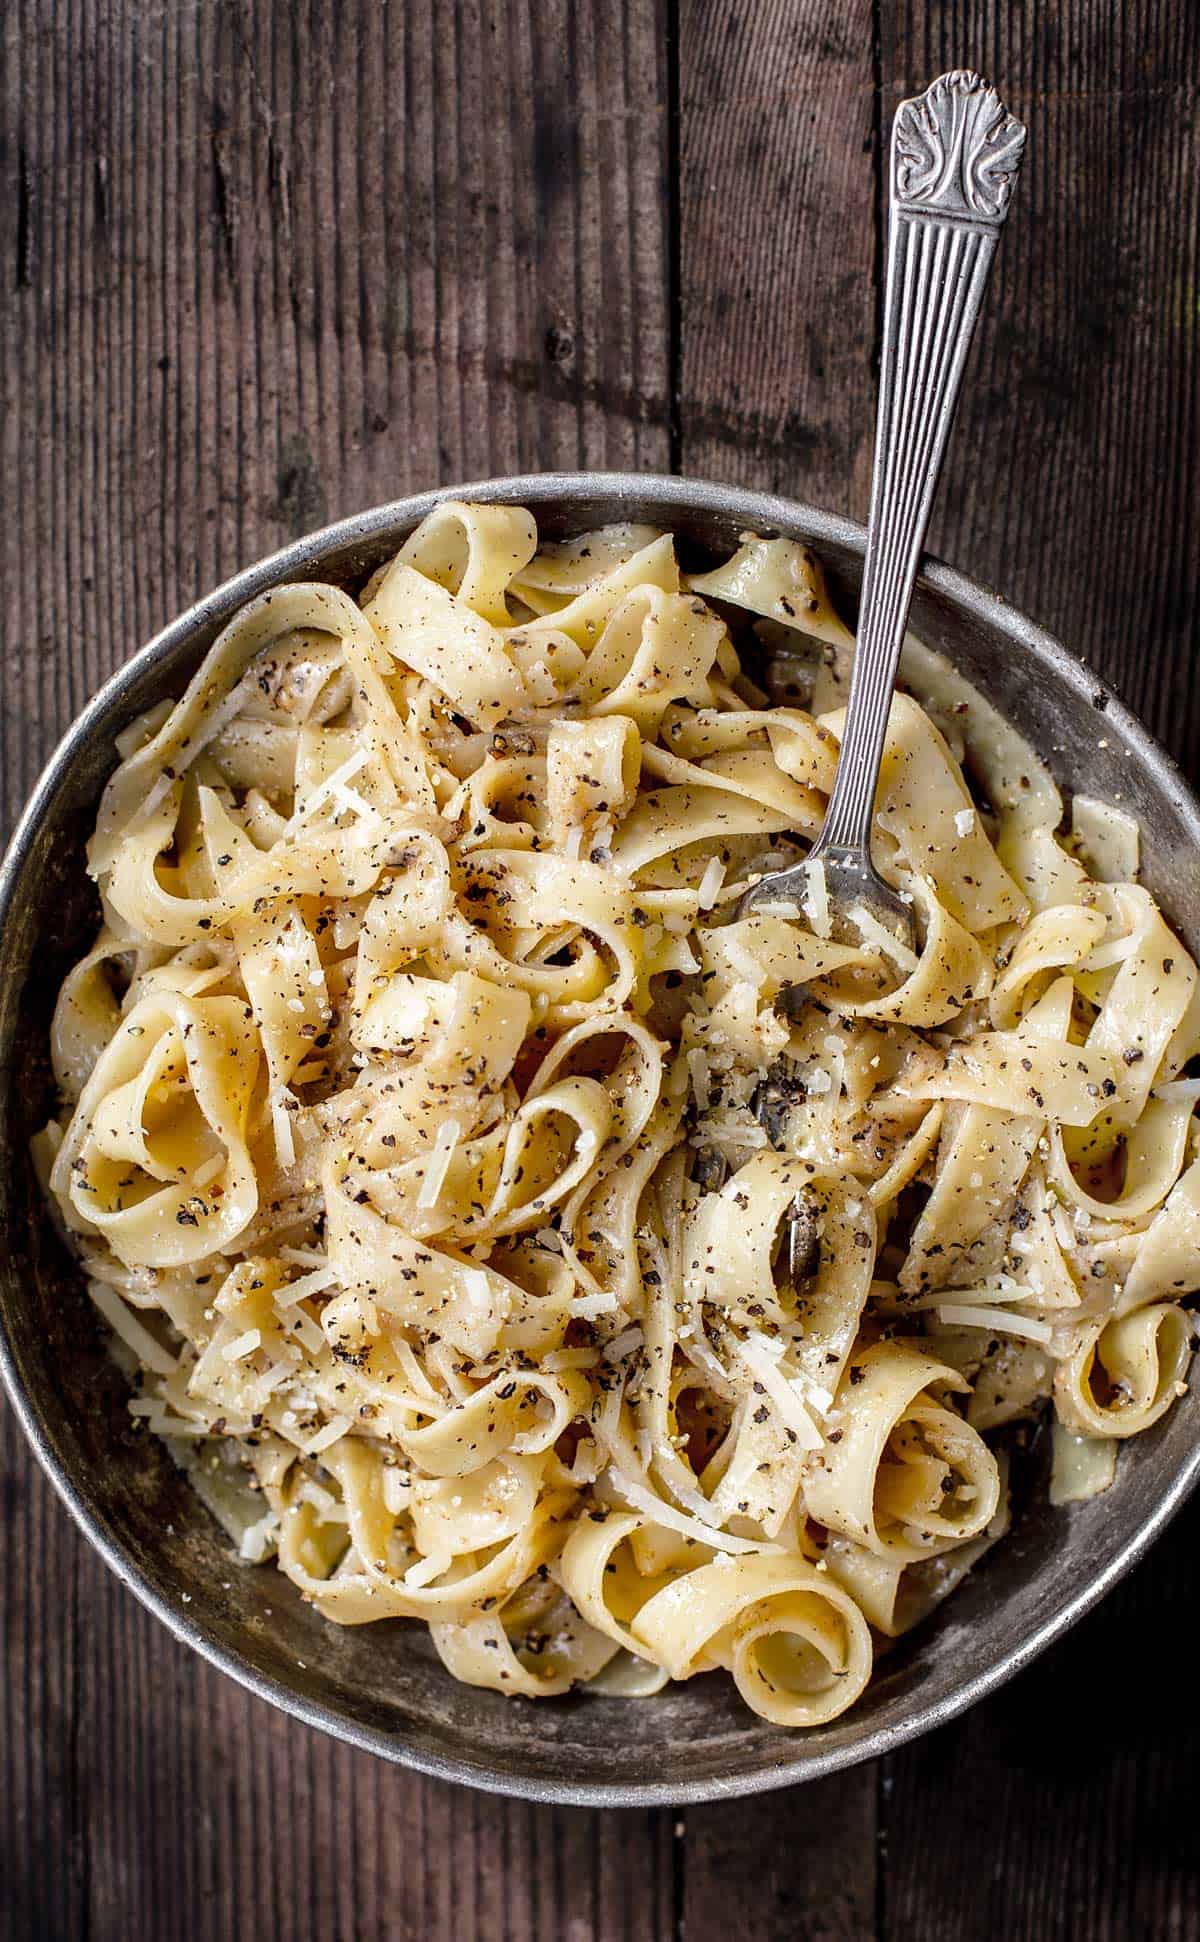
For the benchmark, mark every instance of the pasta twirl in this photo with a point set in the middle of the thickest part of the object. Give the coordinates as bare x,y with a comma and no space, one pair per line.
432,1126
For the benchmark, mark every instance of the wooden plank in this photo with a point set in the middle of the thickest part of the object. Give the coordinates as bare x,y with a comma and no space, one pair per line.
259,266
777,277
778,245
783,1866
1071,482
1057,1808
1060,1806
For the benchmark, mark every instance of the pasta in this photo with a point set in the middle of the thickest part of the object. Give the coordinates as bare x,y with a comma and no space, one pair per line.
432,1124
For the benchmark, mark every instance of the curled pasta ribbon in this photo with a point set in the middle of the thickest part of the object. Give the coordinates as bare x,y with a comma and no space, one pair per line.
1055,940
167,1102
731,1238
952,971
924,806
464,1029
653,649
510,1180
519,896
1125,1372
622,1053
782,581
1022,1073
610,1577
771,953
591,603
543,1162
797,1645
86,1015
1167,1261
1014,776
474,553
510,1236
286,984
463,655
750,772
523,1410
1154,1150
893,1595
213,698
418,1286
1145,1005
592,772
358,1584
980,1168
563,568
475,1510
799,746
558,1652
907,1477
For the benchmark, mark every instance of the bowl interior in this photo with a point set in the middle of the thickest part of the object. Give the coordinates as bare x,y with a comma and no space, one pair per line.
382,1685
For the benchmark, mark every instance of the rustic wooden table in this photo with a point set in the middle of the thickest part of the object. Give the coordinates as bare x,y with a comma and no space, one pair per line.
262,264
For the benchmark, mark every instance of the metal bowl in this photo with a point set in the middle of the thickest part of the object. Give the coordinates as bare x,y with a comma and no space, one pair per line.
381,1686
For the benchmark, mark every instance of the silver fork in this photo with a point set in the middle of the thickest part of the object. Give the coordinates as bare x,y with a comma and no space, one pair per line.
955,156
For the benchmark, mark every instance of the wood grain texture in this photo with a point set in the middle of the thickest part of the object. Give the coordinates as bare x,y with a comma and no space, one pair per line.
259,266
1071,481
1056,1809
780,1866
777,248
777,245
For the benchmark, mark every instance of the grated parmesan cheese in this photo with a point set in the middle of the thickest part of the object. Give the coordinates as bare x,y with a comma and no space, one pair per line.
639,1498
699,1072
587,1307
304,1286
331,1432
242,1346
283,1104
357,806
425,1570
815,901
1178,1091
448,1135
624,1344
326,791
788,1406
999,1320
306,1331
559,1359
873,932
206,1174
258,1538
154,1413
743,961
711,881
477,1289
135,1336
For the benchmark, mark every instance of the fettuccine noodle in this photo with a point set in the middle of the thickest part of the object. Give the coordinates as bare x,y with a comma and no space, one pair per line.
432,1124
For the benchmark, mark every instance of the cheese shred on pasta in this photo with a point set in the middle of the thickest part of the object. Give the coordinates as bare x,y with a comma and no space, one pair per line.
433,1129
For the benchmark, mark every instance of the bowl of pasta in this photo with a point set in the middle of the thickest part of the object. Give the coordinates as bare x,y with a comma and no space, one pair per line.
401,1126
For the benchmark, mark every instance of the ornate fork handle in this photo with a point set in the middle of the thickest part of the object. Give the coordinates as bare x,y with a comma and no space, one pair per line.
954,160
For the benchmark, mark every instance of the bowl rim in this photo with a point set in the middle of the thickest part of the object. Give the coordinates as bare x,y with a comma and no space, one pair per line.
669,496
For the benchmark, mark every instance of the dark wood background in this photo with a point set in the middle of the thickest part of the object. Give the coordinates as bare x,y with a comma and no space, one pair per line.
263,262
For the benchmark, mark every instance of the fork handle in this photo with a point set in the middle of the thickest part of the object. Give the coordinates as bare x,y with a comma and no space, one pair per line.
954,161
